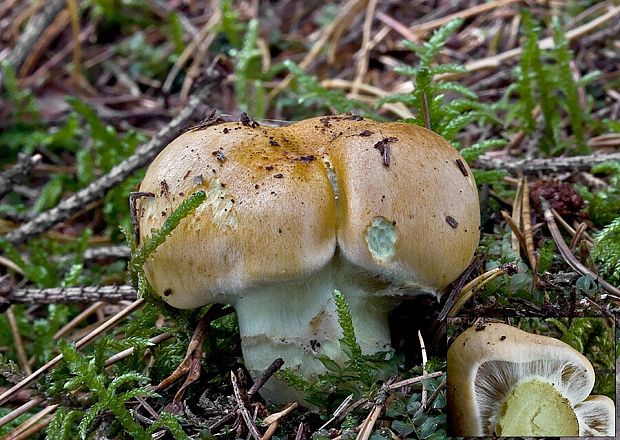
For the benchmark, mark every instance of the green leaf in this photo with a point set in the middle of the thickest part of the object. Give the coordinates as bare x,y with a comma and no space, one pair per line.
329,364
470,154
175,31
50,194
428,427
85,163
403,428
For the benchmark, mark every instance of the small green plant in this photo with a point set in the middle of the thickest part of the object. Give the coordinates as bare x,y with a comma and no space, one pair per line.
593,337
604,205
349,341
109,394
446,117
412,421
311,94
249,90
87,373
606,251
157,237
545,79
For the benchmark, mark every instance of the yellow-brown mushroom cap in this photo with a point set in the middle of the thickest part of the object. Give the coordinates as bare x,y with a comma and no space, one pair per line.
396,199
269,214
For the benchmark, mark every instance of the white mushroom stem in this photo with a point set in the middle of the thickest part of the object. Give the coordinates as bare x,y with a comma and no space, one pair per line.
298,321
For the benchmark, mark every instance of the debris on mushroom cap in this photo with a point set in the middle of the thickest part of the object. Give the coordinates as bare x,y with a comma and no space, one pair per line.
504,381
271,214
294,212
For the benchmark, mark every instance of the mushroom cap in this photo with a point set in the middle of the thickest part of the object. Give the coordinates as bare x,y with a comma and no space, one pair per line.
486,362
269,214
596,416
396,199
406,208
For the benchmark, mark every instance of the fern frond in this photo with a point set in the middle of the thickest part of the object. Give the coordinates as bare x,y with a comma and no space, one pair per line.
349,340
563,57
158,237
470,154
547,100
457,88
82,367
431,48
312,92
243,71
171,422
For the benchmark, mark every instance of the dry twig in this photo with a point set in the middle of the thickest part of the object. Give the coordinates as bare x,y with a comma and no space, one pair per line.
476,284
18,342
424,360
17,172
97,189
555,164
242,408
613,292
64,295
527,229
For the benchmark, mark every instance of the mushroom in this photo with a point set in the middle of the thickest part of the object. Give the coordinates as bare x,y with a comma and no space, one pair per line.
376,210
504,381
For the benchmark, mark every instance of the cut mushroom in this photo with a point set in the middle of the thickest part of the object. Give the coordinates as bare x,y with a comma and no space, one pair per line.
506,382
376,210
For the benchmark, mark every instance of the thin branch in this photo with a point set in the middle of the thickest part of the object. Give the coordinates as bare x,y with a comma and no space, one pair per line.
436,392
129,351
32,425
17,172
275,417
556,164
93,308
470,12
526,218
23,409
18,342
97,189
476,284
64,295
456,290
270,371
258,384
103,252
568,256
242,408
412,380
369,423
341,408
424,360
515,229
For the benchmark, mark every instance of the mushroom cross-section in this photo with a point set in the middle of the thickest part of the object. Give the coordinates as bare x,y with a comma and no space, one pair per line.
506,382
376,210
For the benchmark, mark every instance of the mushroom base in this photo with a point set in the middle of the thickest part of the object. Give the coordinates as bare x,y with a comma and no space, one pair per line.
297,321
537,408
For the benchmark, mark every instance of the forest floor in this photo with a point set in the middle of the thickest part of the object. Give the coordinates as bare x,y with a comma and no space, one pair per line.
92,91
